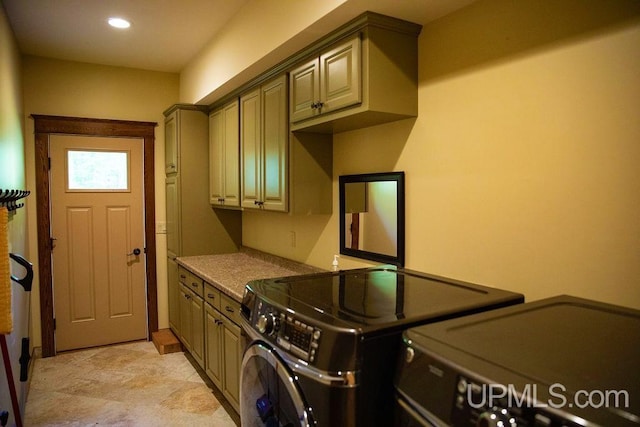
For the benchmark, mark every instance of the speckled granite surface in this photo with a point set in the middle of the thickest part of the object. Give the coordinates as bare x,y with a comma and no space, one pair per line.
231,272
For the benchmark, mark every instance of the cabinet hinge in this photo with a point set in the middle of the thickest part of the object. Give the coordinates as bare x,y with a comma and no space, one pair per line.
54,324
49,159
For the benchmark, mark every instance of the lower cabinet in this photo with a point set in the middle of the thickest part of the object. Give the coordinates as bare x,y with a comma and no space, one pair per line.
197,328
190,307
174,295
232,349
224,349
213,334
184,333
191,323
207,323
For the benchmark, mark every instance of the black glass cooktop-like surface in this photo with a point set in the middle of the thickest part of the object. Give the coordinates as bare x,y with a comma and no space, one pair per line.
576,343
377,297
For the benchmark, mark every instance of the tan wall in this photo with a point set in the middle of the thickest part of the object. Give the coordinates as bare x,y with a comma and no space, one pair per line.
238,53
12,176
11,133
66,88
522,167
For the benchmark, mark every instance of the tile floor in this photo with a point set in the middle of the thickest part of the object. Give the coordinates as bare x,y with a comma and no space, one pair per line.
123,385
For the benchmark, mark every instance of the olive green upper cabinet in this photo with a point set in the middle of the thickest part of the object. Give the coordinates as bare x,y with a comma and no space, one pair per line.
193,228
224,152
328,83
264,146
363,74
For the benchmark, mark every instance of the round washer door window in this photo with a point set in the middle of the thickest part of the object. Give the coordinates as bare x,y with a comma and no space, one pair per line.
269,395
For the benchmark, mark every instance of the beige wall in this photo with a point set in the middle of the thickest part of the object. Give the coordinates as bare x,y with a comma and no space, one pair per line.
522,167
12,176
66,88
11,133
265,32
239,52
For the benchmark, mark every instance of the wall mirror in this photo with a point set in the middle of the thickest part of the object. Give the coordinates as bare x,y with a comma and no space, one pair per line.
372,216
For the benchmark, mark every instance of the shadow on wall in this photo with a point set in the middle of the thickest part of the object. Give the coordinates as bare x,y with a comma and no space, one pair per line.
490,30
372,149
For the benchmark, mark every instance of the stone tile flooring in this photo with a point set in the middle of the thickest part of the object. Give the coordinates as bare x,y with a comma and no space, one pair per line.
123,385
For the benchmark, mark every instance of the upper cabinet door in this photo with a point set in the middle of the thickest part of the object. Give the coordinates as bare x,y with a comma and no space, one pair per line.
340,76
250,147
232,154
304,90
224,152
216,157
275,138
171,143
327,83
264,145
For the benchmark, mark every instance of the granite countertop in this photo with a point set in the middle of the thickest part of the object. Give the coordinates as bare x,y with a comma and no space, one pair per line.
231,272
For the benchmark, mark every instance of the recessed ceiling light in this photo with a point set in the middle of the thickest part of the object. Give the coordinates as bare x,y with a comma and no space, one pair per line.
119,23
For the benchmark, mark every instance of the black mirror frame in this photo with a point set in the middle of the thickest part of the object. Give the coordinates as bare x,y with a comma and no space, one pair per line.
397,177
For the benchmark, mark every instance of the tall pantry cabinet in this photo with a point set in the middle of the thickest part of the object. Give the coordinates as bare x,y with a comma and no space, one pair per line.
193,226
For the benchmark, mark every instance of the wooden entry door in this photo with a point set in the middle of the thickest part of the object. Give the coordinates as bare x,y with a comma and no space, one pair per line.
97,221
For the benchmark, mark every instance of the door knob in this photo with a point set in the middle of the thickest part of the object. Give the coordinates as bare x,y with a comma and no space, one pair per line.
135,252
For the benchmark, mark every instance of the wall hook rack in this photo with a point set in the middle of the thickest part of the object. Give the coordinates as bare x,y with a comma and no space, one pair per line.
9,198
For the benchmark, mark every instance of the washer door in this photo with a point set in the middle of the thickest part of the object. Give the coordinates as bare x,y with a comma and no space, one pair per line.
269,393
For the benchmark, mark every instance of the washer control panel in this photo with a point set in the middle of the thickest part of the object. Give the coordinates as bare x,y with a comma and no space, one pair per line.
288,331
488,405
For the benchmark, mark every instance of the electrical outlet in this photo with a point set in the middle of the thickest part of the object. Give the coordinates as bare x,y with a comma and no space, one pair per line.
161,227
292,236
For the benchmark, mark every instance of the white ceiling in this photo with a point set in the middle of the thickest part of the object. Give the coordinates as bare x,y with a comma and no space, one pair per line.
165,34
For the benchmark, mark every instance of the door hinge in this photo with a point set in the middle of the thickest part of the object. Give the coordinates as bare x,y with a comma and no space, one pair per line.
54,324
49,163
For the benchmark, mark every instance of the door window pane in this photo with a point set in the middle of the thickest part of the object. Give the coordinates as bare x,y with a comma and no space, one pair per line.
93,170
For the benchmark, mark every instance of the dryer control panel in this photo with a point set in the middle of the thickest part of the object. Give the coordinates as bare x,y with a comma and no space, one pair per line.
289,332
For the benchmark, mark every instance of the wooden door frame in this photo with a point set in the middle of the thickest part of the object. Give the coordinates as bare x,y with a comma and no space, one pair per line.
44,127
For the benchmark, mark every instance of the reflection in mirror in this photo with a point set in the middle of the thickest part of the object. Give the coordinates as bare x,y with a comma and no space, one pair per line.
372,216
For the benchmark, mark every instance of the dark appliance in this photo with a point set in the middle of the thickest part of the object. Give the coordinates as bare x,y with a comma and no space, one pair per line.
562,361
322,348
